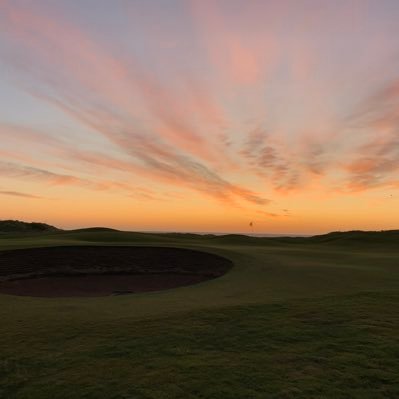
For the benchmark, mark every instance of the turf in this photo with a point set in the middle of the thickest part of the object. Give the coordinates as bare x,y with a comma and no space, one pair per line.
294,318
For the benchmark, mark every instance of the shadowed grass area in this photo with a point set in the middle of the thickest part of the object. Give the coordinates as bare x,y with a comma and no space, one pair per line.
290,320
335,347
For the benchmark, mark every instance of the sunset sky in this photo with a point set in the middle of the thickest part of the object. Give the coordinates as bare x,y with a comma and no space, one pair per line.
200,115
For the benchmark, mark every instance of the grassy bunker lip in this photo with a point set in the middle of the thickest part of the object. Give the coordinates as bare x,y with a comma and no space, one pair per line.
65,271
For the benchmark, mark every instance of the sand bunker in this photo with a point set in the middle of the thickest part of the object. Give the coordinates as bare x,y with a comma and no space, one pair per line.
104,270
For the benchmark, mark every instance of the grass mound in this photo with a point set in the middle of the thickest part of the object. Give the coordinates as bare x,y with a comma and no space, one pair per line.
16,226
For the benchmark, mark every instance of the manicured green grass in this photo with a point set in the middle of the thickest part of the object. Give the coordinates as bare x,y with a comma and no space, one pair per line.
293,319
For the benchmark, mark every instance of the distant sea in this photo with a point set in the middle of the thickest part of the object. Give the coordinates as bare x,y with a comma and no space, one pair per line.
270,235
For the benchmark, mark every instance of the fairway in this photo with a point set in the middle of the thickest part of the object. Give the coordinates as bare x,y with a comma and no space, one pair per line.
293,318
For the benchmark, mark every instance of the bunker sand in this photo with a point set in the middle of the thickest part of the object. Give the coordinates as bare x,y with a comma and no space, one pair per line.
100,271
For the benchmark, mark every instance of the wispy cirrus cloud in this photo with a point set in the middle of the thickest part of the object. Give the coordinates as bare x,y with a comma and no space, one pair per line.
236,104
50,178
96,91
106,80
19,194
375,160
166,167
272,160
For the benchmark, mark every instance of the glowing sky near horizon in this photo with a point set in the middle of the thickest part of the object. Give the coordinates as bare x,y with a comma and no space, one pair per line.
200,115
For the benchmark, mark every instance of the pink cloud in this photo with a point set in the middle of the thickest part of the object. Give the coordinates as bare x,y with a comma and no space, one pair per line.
243,59
68,60
94,87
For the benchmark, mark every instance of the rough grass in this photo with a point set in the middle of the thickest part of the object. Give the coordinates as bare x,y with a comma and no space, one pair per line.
289,321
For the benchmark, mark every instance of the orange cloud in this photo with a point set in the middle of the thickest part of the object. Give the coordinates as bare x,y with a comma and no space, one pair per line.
19,194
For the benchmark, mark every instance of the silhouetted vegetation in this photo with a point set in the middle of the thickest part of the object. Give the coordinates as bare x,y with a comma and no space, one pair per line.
16,226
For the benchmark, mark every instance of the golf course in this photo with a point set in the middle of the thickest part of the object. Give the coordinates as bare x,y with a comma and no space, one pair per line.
305,317
199,199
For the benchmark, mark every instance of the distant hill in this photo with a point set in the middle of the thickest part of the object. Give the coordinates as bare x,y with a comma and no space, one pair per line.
16,226
358,236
